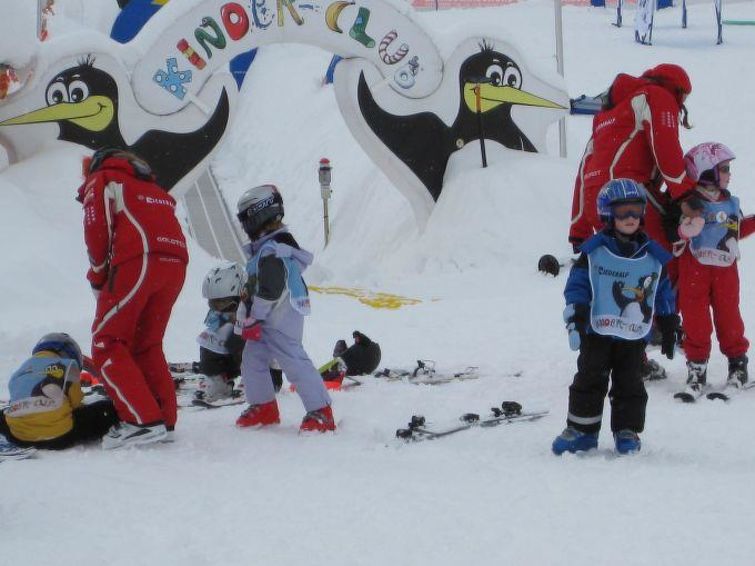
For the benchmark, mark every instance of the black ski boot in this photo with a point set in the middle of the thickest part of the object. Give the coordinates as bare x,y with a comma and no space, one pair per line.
737,372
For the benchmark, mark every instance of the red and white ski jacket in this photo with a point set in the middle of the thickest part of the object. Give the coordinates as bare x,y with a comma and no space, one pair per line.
126,216
638,139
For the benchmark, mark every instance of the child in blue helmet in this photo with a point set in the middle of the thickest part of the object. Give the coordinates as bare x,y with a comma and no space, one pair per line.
614,289
46,407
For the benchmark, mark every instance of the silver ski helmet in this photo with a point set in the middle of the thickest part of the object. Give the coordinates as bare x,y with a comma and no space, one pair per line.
62,344
257,207
224,281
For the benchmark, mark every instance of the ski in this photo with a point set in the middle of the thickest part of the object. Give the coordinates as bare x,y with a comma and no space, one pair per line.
219,404
426,374
728,392
509,412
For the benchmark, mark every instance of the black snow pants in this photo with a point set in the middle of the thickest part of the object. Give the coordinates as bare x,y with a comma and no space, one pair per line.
601,357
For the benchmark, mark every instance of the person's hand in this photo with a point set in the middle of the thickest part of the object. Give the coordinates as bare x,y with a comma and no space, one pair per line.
690,227
252,330
576,317
669,326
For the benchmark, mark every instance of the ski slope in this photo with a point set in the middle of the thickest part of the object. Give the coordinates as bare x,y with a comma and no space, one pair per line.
220,495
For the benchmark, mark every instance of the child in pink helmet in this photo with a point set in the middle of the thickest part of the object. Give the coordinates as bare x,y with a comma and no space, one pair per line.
708,276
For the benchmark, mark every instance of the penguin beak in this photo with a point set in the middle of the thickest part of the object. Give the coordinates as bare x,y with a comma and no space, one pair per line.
492,96
94,114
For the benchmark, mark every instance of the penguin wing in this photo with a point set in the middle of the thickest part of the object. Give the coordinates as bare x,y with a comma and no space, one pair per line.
173,155
618,295
421,141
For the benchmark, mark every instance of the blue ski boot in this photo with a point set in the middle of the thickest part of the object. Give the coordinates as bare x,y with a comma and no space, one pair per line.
573,440
627,442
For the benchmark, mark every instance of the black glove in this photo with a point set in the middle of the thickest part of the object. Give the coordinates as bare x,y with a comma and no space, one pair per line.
579,314
669,326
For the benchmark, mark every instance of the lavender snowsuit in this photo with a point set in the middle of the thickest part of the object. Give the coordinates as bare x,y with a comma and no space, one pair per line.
280,301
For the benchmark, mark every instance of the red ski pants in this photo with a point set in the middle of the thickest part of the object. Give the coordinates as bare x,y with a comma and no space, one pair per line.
703,288
133,310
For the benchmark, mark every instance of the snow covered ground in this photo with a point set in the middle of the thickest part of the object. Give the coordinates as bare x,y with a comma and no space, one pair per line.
359,497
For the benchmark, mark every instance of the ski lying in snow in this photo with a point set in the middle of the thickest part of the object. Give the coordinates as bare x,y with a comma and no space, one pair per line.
729,391
510,412
426,374
217,404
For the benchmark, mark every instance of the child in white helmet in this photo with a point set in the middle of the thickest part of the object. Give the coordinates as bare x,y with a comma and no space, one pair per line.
271,320
220,348
708,273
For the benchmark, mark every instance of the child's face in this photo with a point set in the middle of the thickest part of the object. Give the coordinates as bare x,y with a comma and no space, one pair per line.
627,217
724,174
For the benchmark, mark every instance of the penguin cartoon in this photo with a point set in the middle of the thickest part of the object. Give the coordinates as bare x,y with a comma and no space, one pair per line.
636,307
84,101
423,141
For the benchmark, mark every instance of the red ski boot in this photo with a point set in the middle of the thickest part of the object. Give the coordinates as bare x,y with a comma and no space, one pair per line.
320,420
264,414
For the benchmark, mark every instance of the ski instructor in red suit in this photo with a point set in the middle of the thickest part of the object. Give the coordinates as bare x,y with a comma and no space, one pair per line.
138,256
636,136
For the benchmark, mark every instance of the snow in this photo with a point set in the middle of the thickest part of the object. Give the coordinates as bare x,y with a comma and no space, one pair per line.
219,495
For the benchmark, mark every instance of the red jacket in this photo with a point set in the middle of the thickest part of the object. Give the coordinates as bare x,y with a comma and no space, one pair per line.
126,216
638,139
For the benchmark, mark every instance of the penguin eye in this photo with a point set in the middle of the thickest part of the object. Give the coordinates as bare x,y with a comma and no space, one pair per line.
512,77
56,93
495,74
78,91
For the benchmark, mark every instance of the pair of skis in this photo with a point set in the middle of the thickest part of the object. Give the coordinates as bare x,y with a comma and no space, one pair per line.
510,412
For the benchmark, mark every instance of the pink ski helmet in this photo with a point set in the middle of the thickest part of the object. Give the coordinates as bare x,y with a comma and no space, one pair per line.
702,161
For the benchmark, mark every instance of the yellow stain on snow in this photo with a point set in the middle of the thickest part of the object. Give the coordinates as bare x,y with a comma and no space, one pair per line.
369,298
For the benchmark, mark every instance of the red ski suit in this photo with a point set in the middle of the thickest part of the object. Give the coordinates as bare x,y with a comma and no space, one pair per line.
638,139
706,288
138,258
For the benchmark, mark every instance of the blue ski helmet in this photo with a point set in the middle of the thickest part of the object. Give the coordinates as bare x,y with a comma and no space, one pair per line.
61,344
619,191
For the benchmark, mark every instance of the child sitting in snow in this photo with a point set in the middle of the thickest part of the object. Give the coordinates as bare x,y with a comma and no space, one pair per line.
708,273
220,348
613,291
46,409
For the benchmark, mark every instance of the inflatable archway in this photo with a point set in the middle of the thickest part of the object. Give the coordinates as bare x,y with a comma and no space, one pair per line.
167,93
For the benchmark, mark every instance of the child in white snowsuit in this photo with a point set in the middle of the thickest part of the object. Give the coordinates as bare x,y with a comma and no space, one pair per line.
273,325
220,348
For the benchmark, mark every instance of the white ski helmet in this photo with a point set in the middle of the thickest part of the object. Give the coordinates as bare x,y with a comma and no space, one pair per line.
702,162
258,206
224,281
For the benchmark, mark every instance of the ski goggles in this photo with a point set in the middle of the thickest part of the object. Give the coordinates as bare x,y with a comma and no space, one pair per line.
624,211
224,305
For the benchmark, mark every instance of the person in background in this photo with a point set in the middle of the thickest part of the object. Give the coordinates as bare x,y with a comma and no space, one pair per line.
636,136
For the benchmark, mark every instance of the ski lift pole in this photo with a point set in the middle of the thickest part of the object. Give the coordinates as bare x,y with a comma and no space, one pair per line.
324,175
